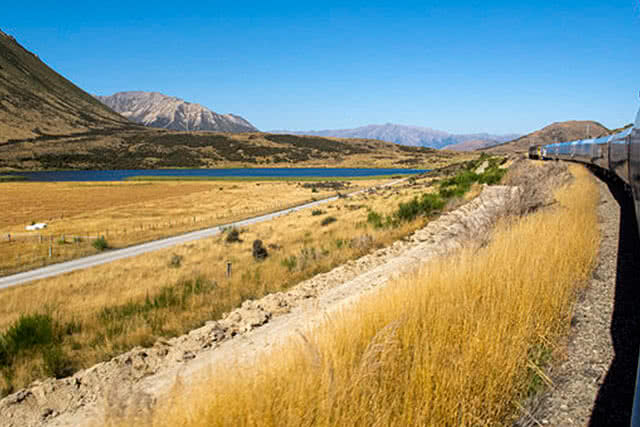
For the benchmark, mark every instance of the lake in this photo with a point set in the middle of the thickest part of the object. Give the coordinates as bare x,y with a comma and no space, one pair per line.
120,175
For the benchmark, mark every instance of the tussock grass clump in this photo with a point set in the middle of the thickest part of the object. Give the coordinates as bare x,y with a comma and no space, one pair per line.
328,220
100,244
38,335
459,343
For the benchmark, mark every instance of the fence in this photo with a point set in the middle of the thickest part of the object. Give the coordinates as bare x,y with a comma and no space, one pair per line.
48,248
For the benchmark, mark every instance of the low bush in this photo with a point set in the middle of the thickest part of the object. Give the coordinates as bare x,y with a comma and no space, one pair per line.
317,212
259,251
328,220
35,333
375,219
100,243
176,261
427,205
233,236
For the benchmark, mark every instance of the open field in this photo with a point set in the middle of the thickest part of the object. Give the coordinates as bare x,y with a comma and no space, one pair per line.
463,342
106,310
131,212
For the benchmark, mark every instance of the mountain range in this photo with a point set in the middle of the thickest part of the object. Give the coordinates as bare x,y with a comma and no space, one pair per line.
161,111
47,122
407,135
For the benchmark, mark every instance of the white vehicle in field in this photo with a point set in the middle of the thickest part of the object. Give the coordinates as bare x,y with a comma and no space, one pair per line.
38,226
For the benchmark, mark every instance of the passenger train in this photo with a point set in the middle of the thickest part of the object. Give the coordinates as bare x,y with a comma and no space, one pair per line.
618,154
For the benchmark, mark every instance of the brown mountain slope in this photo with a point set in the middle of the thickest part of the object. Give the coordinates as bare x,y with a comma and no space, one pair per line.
35,101
556,132
46,122
151,149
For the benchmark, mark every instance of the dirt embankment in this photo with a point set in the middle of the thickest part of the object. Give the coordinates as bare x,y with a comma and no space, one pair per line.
133,382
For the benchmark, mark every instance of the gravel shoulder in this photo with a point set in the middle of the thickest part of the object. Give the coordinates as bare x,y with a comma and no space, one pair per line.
580,378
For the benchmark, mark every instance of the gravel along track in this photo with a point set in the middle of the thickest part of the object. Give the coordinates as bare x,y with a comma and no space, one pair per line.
593,385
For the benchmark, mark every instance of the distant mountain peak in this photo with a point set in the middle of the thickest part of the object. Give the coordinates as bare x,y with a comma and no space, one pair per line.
156,109
406,135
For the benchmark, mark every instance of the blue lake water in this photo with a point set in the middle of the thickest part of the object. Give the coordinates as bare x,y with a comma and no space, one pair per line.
119,175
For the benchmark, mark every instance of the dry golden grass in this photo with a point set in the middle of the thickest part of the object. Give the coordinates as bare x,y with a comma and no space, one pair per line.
460,343
115,304
128,213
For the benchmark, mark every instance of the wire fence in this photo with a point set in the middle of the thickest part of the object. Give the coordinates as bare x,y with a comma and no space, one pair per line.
24,250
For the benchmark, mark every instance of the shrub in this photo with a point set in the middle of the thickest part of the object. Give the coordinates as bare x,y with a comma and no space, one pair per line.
317,212
233,236
100,243
176,261
492,176
426,205
375,219
259,251
28,332
56,362
328,220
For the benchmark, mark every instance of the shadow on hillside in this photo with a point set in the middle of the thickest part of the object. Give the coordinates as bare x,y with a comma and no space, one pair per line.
615,398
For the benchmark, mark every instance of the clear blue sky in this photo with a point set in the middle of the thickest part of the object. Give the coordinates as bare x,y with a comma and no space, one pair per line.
461,66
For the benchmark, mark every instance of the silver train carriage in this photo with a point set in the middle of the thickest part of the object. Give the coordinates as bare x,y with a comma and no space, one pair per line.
619,154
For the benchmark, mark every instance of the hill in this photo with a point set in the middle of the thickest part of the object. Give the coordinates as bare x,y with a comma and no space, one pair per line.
46,122
151,149
157,110
556,132
36,102
406,135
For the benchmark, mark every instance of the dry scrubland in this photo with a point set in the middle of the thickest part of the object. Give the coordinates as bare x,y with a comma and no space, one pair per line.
88,316
464,342
129,212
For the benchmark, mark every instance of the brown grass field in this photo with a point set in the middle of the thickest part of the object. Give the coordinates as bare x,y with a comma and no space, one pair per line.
109,309
463,342
129,212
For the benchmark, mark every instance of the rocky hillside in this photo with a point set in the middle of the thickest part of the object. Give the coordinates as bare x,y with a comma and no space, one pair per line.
36,102
556,132
408,135
157,110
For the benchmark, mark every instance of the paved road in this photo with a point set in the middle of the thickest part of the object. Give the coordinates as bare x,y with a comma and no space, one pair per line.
114,255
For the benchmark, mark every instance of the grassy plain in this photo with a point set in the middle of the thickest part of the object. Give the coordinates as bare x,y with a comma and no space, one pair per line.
463,342
129,212
92,315
111,308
